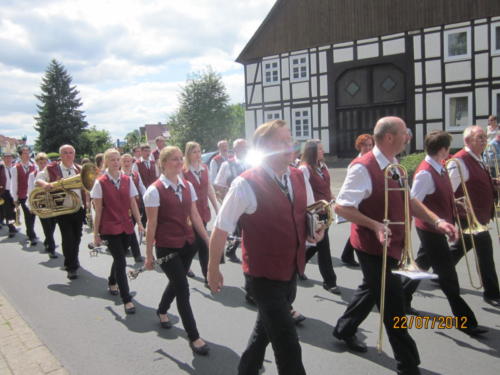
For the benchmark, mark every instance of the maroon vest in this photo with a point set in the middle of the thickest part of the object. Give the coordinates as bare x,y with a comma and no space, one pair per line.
22,180
173,227
115,218
156,154
479,187
274,235
320,185
148,175
441,201
201,189
219,160
364,239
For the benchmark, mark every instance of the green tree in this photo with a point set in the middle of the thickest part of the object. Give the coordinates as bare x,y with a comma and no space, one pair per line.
237,120
59,119
93,141
204,114
133,139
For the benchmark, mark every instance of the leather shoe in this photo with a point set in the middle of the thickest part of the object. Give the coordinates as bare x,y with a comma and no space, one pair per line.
303,277
350,263
166,325
474,331
138,259
233,258
492,301
190,274
33,242
250,300
202,350
12,234
72,275
130,310
113,292
352,343
332,289
297,317
52,255
411,311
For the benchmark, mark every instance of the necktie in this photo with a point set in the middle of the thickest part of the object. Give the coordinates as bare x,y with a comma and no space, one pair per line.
198,175
178,192
116,183
284,187
147,164
26,168
69,171
443,172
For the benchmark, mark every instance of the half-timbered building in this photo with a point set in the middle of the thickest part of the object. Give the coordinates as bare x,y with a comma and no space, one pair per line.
330,68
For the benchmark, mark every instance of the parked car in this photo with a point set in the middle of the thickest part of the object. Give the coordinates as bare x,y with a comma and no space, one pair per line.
207,157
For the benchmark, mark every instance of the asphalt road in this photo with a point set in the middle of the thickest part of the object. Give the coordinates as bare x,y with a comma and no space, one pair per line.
88,331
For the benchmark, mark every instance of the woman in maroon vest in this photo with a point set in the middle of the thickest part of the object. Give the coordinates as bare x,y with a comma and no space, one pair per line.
197,173
315,170
114,198
171,209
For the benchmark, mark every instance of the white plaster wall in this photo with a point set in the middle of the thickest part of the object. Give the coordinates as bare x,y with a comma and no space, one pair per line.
312,63
258,79
482,101
314,86
285,68
272,94
433,126
481,37
458,71
250,72
324,115
393,47
286,90
300,90
325,140
419,107
249,124
286,112
322,62
457,140
367,51
323,85
418,74
433,71
432,45
434,103
259,117
481,65
257,94
249,92
315,114
343,54
417,48
495,67
419,136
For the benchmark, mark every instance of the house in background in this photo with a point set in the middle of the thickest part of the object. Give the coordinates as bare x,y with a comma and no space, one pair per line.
151,131
9,144
331,68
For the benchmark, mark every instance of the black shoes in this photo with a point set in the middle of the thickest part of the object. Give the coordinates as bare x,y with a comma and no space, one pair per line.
33,241
303,277
411,311
474,331
190,274
52,255
113,291
352,343
350,262
166,325
492,301
139,259
129,310
250,300
233,258
332,289
72,275
201,350
297,317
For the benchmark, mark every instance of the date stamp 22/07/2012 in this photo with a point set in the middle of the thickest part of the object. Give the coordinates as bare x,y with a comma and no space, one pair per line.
432,322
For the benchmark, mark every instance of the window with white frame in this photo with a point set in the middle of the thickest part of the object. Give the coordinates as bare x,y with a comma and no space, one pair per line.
495,38
272,115
457,44
301,123
271,72
496,103
299,68
458,111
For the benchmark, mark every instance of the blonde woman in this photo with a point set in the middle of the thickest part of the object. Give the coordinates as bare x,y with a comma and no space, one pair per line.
114,195
170,204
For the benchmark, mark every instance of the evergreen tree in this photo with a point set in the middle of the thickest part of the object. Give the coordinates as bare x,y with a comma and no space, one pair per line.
59,119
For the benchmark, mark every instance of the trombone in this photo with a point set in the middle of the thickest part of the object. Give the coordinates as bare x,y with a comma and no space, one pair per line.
474,227
491,158
407,265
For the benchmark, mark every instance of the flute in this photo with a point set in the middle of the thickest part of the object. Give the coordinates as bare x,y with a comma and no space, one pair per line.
133,274
95,250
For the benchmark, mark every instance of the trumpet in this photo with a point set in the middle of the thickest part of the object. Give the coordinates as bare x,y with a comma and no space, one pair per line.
407,265
474,227
133,274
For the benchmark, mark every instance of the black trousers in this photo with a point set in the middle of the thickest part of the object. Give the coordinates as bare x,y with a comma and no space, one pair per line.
8,209
366,296
178,287
117,245
49,226
70,226
275,325
133,243
487,268
29,219
202,249
233,246
434,252
348,252
324,260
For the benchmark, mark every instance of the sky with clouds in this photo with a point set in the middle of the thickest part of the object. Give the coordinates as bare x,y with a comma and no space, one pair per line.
128,58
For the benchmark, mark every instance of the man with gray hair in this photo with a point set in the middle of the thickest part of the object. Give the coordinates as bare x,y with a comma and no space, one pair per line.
483,195
218,159
361,201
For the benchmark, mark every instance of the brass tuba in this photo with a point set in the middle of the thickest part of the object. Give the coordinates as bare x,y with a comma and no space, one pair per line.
61,200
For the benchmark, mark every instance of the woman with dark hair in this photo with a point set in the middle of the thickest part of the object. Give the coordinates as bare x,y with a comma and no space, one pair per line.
315,170
364,143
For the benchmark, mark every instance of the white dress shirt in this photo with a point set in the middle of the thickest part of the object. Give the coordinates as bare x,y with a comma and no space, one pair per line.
213,170
225,172
8,175
241,199
96,192
148,162
13,182
455,174
357,185
196,171
141,188
152,196
423,183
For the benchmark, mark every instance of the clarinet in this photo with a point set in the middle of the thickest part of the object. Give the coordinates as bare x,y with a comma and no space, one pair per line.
133,274
94,250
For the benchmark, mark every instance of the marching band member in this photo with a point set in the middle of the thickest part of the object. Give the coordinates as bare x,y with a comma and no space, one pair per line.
315,170
432,186
70,225
126,162
492,129
364,143
170,206
197,174
19,190
482,195
270,202
217,160
228,171
48,224
148,170
136,153
8,208
361,201
99,162
160,143
114,196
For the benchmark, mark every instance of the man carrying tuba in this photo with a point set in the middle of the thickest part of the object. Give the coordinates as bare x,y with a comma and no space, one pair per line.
70,224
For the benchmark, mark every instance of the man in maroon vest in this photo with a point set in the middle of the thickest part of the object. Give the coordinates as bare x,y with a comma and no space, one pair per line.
361,201
270,203
8,208
70,225
160,143
220,158
432,186
149,172
482,194
19,190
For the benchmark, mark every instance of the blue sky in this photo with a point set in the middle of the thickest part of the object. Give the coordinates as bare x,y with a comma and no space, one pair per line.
128,58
